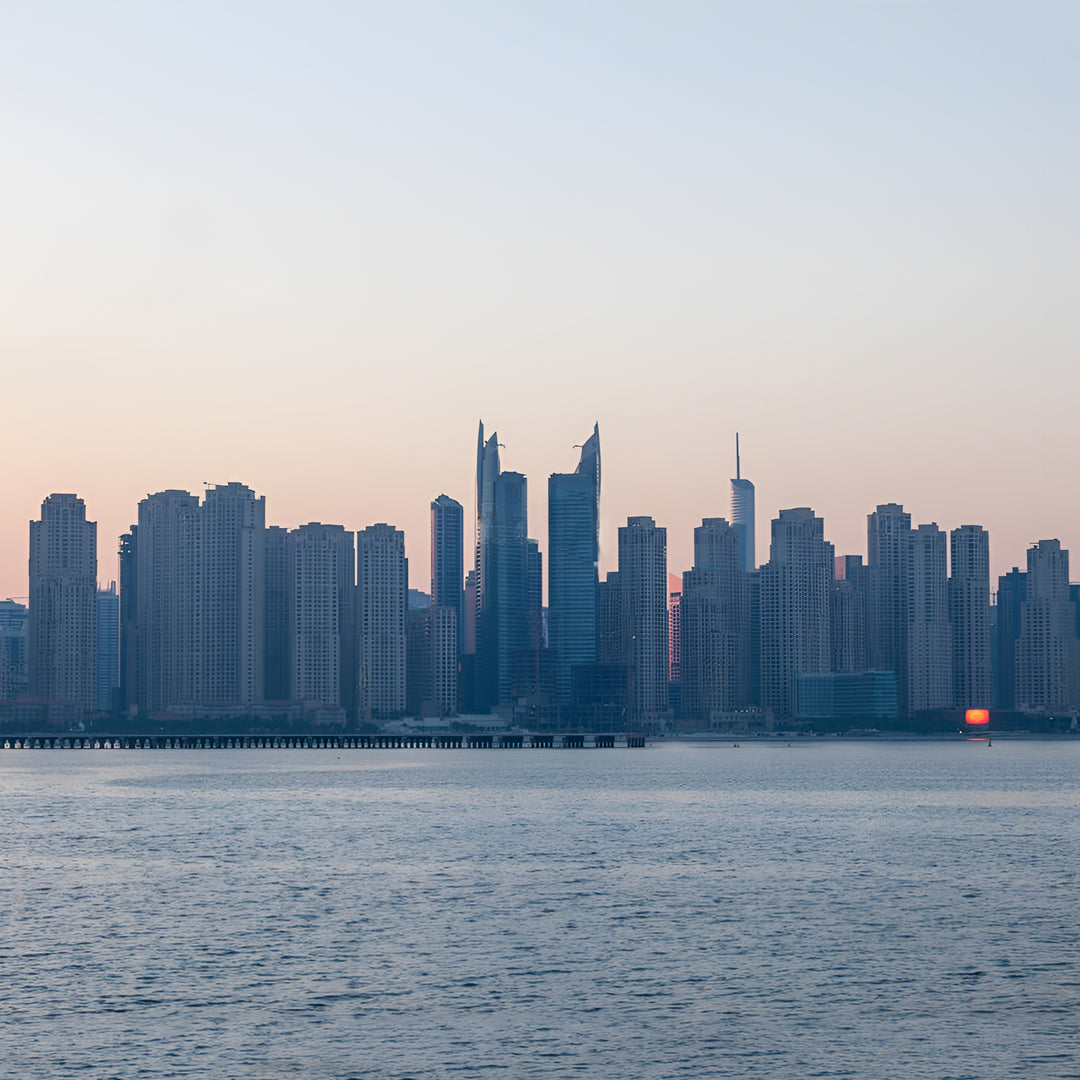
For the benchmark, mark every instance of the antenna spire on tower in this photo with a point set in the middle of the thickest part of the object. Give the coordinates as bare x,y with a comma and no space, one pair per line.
738,475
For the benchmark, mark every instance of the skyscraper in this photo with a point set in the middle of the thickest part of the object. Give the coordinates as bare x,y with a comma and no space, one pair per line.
888,531
674,633
277,618
1048,652
129,620
503,608
1011,594
644,616
382,582
13,631
847,615
534,593
573,564
167,573
715,623
448,557
322,618
612,640
795,588
969,616
229,616
929,633
743,515
108,647
62,639
432,661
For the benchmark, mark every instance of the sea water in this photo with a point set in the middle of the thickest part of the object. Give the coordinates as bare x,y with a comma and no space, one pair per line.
824,909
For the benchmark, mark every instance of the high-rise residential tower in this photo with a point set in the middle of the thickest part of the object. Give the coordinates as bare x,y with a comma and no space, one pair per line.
743,514
888,561
929,633
382,582
322,618
229,616
167,575
715,624
795,588
643,614
62,638
969,616
573,565
1048,652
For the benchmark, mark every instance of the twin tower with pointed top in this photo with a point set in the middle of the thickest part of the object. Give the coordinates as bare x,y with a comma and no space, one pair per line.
507,597
512,649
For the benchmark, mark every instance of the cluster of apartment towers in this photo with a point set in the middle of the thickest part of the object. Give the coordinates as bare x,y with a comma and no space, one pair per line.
219,614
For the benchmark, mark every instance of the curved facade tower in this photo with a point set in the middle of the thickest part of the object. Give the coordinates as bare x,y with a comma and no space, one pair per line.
502,573
573,558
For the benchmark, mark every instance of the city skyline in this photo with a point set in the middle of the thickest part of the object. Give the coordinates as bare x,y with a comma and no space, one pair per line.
326,715
848,234
417,542
219,613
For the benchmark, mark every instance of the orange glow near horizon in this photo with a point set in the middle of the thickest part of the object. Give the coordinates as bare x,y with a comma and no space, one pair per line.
977,716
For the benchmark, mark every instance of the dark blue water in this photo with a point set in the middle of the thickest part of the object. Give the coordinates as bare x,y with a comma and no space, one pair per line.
824,910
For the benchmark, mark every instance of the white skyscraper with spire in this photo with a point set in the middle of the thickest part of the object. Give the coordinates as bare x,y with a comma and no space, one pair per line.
742,515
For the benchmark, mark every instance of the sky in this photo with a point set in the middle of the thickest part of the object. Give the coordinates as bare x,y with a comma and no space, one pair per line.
310,246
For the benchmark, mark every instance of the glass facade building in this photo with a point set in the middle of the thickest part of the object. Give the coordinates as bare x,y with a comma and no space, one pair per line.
573,558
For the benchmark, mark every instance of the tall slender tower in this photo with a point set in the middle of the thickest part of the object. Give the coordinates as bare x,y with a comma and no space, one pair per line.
278,584
503,623
448,555
62,645
644,615
485,621
929,633
129,620
108,647
743,515
573,561
969,616
1011,595
889,555
382,582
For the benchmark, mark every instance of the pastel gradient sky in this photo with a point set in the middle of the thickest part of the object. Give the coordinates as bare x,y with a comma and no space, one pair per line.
308,246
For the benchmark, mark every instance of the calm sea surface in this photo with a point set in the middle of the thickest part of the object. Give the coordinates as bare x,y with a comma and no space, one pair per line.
820,910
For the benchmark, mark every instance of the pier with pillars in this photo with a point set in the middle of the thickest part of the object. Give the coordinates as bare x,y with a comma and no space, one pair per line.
427,741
